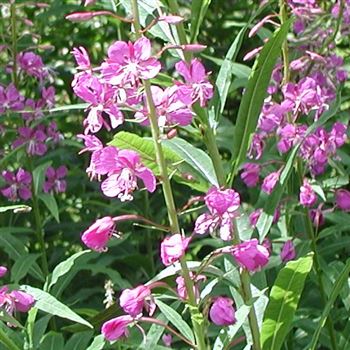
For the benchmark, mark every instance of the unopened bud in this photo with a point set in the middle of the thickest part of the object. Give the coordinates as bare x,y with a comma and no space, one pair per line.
193,47
171,19
188,176
80,16
171,134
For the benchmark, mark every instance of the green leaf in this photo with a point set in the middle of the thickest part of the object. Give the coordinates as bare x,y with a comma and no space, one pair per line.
65,266
39,328
176,319
78,341
98,343
5,317
198,11
16,208
253,98
51,204
39,176
337,287
175,163
195,157
22,266
52,341
49,304
284,299
69,107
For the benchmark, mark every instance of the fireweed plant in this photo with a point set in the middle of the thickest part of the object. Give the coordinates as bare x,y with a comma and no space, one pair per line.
162,111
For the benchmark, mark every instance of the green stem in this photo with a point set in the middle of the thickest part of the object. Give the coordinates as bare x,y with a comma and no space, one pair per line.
311,235
285,53
14,42
196,316
4,338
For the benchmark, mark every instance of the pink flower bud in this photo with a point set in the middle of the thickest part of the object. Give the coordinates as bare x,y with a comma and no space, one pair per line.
250,174
23,301
173,248
116,327
316,217
307,195
80,16
254,217
342,198
222,312
3,271
171,19
193,48
132,301
251,255
98,234
270,182
167,340
288,251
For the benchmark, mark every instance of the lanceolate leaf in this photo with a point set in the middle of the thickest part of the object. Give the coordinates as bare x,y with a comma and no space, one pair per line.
284,299
255,94
339,283
198,11
47,303
51,204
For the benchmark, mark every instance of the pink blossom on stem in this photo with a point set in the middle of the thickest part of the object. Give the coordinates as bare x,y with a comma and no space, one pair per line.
18,185
223,206
316,216
251,255
82,58
251,173
307,196
54,179
98,234
3,271
116,328
197,86
132,301
173,248
10,99
23,301
127,63
34,140
270,182
288,251
222,312
181,286
167,339
342,198
32,64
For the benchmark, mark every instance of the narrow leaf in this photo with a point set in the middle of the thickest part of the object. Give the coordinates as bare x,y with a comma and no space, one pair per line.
98,343
51,204
39,176
284,299
16,208
22,266
52,341
198,11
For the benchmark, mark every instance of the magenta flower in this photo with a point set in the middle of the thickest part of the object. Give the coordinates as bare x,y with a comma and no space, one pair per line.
10,99
167,340
3,271
32,64
251,255
34,140
222,312
270,182
173,248
132,301
82,58
290,135
342,198
197,86
170,109
255,215
272,115
52,133
307,196
18,185
123,168
288,251
23,301
223,206
98,234
250,174
316,216
54,180
257,146
102,101
116,328
127,63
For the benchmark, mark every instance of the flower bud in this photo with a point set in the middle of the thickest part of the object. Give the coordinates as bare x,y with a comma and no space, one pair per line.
80,16
116,327
270,182
193,48
173,248
167,340
23,301
171,19
132,301
307,197
288,251
342,198
3,271
222,312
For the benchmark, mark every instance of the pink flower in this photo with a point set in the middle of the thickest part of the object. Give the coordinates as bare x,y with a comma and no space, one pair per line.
250,174
102,99
288,251
123,167
3,271
316,216
98,234
33,138
222,312
181,286
197,86
173,248
127,63
10,99
116,327
270,182
251,255
19,185
132,301
307,195
32,64
167,340
169,108
82,58
342,198
54,179
223,206
23,301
